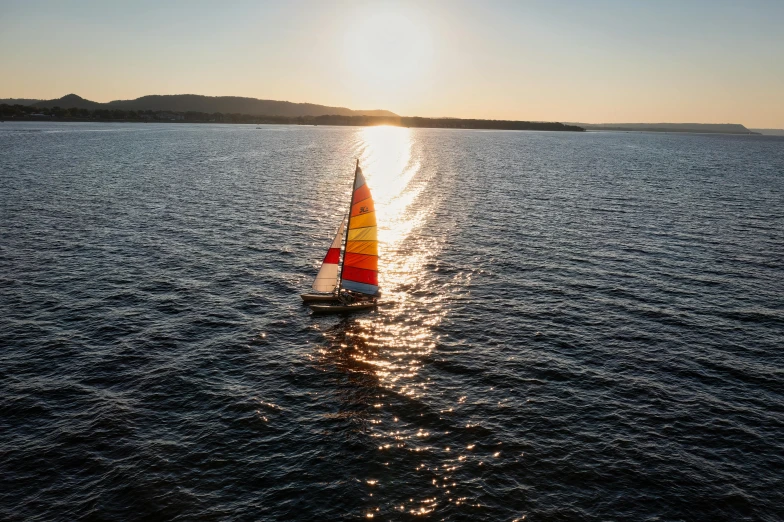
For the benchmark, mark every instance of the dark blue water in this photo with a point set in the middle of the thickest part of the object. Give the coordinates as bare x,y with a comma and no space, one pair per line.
576,326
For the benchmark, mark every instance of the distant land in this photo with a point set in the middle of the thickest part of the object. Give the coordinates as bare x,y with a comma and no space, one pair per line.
192,108
708,128
195,108
769,132
198,103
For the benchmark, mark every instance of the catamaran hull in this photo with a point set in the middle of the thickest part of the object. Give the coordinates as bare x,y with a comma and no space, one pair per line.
319,298
340,308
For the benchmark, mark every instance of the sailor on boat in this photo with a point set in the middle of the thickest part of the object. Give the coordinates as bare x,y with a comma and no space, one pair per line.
349,297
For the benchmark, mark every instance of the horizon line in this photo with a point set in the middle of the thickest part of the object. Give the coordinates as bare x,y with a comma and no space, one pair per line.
565,122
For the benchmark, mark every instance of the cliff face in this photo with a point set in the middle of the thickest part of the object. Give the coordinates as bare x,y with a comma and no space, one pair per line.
208,104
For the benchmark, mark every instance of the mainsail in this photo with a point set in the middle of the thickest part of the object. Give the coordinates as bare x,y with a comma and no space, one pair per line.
327,277
360,260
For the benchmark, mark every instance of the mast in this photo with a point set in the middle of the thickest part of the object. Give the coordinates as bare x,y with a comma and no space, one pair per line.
350,201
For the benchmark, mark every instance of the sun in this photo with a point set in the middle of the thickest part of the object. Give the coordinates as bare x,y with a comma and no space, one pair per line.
387,53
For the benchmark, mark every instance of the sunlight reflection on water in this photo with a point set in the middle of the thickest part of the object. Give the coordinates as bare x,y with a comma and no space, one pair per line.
402,331
388,348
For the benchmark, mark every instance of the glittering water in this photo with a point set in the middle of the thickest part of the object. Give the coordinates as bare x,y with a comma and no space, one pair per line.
576,326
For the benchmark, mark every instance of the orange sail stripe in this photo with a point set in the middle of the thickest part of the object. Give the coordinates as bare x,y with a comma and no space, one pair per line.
362,207
361,261
361,194
369,248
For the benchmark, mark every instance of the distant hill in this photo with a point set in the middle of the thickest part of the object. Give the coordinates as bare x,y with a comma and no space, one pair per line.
710,128
18,101
208,104
68,101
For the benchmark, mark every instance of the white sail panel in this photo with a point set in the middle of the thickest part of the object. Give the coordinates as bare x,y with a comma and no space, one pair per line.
327,277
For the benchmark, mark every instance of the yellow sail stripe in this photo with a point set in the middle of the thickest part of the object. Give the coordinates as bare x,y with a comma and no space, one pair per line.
363,234
363,220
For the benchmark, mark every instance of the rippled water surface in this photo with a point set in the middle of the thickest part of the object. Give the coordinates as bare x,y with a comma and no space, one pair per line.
575,326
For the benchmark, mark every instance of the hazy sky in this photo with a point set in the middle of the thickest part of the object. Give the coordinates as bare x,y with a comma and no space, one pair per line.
588,61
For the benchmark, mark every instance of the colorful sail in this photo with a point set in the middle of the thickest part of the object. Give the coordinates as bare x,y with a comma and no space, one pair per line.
360,261
327,277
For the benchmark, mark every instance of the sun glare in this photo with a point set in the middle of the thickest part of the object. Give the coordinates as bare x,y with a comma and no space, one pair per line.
389,166
387,53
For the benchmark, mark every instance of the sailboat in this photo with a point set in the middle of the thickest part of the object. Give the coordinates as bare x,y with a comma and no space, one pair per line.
357,286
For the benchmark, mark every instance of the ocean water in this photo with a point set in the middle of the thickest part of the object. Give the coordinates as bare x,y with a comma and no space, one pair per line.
575,326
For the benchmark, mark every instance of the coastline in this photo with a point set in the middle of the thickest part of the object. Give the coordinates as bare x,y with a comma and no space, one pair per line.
341,121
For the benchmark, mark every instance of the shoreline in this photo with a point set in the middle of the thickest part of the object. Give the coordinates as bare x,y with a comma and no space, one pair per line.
336,121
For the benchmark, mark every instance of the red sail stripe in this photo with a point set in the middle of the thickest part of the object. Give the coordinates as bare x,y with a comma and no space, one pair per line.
333,256
369,277
361,261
